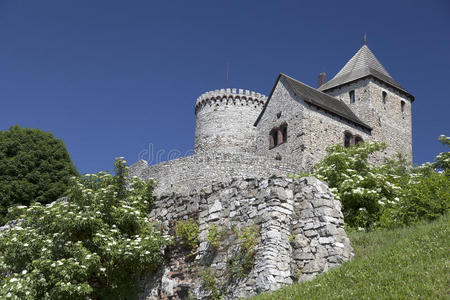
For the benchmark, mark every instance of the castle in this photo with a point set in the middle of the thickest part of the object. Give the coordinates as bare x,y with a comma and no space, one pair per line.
239,133
245,145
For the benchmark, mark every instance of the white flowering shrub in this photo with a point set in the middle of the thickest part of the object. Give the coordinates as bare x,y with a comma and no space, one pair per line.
95,245
357,183
389,195
442,161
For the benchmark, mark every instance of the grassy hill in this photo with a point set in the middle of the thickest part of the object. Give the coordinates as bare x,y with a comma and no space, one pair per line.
405,263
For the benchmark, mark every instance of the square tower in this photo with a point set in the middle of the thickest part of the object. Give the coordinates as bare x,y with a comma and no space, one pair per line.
377,99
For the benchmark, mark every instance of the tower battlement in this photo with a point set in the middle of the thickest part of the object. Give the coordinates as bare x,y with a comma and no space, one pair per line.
224,120
230,96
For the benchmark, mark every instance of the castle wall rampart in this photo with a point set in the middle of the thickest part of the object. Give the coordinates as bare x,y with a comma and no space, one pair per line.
192,173
301,234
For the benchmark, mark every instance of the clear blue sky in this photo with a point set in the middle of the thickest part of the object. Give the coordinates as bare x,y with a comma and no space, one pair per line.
112,77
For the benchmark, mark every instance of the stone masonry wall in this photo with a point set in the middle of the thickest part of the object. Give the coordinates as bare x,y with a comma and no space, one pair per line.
387,120
301,234
309,130
192,173
282,109
324,130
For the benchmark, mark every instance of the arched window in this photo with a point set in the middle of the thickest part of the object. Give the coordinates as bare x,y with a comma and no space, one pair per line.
278,136
348,137
358,140
351,94
273,138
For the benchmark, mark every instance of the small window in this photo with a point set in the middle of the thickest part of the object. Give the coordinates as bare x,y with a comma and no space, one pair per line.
384,97
284,133
347,139
278,136
358,140
273,138
352,96
402,106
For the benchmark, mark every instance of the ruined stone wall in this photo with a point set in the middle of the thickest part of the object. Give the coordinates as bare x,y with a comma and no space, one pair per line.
224,121
387,120
192,173
301,234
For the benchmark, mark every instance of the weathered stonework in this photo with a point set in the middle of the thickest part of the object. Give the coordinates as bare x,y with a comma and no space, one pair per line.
225,119
301,235
389,123
192,173
245,144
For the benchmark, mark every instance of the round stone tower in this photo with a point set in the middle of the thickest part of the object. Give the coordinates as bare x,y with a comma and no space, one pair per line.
224,121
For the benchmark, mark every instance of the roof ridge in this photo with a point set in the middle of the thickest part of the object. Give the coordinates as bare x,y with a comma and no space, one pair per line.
340,108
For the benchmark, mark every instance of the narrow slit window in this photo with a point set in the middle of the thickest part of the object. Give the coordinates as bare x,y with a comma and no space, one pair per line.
384,97
284,132
352,96
402,106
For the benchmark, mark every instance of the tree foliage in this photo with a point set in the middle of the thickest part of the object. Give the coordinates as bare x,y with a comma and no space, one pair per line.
95,245
34,166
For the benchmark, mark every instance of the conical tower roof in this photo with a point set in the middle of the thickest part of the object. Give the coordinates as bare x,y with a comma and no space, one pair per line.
362,64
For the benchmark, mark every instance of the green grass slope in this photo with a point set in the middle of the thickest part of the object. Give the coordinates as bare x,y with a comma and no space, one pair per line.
405,263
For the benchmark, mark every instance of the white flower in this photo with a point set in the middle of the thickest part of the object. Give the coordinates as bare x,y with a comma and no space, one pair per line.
88,256
24,272
13,279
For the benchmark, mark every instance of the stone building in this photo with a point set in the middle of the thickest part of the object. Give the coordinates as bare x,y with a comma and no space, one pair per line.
245,145
240,133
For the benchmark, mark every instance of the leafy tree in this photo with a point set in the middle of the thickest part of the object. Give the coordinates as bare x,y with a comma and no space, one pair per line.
34,166
94,246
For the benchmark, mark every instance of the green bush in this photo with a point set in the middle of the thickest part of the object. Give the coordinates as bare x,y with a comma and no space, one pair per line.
242,262
426,196
389,195
210,282
362,188
34,166
96,245
187,232
215,236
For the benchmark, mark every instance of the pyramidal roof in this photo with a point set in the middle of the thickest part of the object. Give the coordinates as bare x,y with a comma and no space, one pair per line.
362,64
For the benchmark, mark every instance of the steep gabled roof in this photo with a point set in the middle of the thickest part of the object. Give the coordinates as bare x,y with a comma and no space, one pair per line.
362,64
317,98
